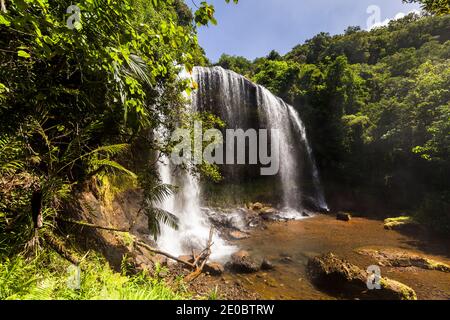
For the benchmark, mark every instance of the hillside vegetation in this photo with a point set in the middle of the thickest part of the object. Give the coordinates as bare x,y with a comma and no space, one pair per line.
377,108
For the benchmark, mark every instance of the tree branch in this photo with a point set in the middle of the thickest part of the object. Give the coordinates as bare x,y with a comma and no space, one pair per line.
90,225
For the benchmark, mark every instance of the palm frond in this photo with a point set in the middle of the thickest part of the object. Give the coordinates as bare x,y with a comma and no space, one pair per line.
160,192
138,69
156,216
83,136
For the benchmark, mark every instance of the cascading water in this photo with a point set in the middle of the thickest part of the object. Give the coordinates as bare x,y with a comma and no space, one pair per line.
300,127
243,104
193,227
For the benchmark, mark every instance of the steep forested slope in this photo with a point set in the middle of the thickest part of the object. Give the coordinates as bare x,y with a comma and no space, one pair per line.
377,105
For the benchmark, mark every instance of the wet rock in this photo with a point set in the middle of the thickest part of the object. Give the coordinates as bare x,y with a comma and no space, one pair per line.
241,262
257,206
268,217
260,208
255,222
267,265
404,259
342,216
268,210
214,268
287,259
403,223
226,220
238,235
332,274
304,214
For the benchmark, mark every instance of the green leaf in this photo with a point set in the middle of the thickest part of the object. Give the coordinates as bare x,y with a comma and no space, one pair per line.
23,54
4,21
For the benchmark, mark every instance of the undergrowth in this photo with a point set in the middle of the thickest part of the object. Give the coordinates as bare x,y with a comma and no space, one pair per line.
49,277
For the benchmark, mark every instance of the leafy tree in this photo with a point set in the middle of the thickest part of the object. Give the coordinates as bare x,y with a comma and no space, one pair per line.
238,64
80,101
439,7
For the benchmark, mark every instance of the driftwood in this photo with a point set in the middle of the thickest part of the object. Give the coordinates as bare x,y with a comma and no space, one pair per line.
201,260
168,255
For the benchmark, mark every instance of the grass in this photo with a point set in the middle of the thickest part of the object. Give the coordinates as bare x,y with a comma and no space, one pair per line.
214,294
48,277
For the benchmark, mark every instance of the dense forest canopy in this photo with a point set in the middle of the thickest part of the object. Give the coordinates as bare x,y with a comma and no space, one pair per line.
82,89
377,107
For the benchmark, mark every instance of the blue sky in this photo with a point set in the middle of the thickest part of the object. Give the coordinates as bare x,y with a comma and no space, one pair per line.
254,27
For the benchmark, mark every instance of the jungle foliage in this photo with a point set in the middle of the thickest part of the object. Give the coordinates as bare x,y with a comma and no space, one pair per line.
377,107
83,91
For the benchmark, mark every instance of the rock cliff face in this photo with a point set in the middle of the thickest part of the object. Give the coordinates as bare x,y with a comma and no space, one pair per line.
119,211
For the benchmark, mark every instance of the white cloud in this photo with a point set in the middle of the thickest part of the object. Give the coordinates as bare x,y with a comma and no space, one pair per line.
374,21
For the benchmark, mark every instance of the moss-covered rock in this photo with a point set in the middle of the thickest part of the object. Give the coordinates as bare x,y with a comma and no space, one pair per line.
399,223
394,290
339,277
400,259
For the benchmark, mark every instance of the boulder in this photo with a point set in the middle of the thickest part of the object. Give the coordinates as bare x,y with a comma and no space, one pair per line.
268,217
257,206
241,262
403,223
304,214
267,265
401,259
286,259
214,268
238,235
342,216
330,273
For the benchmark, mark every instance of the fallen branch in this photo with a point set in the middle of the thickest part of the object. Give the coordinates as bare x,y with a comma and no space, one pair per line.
90,225
56,244
168,255
198,264
204,256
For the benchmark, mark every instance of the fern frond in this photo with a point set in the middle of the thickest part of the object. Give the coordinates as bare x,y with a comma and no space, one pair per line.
112,164
110,150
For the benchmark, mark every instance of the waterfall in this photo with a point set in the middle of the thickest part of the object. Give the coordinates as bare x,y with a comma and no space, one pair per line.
300,127
193,227
243,104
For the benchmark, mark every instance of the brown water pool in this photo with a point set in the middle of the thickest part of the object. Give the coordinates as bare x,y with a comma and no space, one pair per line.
299,240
